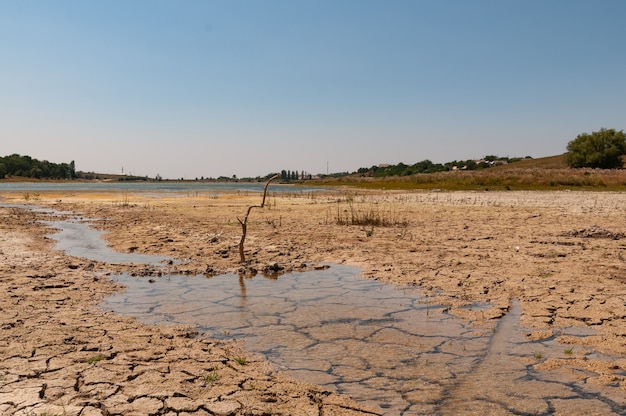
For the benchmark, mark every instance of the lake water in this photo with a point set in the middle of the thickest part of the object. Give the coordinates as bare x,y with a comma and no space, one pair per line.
153,187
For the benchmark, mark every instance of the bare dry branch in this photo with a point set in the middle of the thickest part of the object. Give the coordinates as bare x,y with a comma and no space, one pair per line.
244,223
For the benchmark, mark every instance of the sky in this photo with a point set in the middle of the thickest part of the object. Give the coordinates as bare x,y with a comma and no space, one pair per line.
189,89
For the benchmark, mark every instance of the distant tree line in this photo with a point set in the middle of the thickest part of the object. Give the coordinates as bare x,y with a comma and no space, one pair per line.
401,169
16,165
426,166
604,149
288,175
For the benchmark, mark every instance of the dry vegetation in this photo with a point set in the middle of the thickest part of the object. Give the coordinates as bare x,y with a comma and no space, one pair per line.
550,173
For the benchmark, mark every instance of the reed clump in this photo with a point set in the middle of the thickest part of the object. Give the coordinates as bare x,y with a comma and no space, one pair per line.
370,213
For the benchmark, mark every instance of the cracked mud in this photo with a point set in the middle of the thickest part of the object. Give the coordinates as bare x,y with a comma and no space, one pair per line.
62,355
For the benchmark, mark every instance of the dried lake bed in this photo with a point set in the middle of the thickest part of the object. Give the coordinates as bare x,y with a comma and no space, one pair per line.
500,303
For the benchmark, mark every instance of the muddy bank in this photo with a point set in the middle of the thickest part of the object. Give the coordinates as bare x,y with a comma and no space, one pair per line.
561,254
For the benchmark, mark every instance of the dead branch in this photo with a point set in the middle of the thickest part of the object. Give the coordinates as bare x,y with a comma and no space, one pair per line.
244,223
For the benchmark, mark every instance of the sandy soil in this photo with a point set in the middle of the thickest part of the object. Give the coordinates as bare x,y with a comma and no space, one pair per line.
561,254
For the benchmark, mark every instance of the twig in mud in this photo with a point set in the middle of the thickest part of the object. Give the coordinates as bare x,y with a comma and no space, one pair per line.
244,223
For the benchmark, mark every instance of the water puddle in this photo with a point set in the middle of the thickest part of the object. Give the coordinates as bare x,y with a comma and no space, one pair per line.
78,239
505,380
384,346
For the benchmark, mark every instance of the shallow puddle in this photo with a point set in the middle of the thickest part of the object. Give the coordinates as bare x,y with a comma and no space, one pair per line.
77,239
379,344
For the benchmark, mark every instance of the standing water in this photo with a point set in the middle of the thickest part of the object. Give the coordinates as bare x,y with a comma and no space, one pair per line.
379,344
79,240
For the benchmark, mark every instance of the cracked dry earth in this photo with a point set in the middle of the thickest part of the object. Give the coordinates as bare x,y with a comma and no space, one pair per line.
562,255
61,355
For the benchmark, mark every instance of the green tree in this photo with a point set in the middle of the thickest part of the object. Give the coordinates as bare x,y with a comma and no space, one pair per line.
72,169
35,173
601,149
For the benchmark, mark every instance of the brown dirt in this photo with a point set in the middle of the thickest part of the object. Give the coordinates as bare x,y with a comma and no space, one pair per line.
561,254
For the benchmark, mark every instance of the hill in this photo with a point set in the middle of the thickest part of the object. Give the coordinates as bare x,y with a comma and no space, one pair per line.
547,173
549,162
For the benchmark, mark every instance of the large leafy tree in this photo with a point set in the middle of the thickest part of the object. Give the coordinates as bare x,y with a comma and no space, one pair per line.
600,149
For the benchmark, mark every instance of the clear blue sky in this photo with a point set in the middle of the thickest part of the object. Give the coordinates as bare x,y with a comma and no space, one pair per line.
209,88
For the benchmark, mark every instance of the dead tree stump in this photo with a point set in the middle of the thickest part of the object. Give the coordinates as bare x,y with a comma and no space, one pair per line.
244,223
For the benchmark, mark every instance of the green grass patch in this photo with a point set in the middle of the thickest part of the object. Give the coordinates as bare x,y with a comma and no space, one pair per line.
95,359
211,377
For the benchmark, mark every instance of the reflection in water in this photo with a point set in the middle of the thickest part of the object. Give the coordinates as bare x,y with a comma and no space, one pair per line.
381,345
242,286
